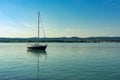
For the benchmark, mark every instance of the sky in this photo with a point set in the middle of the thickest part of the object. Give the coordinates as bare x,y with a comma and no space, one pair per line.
61,18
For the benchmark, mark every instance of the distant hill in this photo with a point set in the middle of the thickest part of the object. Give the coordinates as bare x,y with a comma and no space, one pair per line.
64,39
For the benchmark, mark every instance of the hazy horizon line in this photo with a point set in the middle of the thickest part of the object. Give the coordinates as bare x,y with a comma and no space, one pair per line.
62,37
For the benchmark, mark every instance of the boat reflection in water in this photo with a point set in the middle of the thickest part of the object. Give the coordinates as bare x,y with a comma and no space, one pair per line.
37,52
39,55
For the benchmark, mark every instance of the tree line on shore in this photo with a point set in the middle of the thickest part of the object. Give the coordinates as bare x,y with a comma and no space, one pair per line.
64,39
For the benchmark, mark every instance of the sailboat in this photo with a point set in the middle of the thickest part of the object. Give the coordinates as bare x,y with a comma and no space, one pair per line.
37,45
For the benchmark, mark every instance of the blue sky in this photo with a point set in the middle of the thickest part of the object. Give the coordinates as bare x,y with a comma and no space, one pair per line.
61,18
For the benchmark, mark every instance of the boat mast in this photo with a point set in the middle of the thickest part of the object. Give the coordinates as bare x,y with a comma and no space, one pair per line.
38,26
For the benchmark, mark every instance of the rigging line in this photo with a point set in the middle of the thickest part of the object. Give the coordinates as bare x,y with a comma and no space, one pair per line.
38,26
42,29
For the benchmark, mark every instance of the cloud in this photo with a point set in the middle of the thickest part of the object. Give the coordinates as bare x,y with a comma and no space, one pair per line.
12,29
29,25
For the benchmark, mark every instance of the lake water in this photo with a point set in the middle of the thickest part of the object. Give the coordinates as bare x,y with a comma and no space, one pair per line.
61,61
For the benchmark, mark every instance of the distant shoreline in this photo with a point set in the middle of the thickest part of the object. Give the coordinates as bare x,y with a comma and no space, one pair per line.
65,39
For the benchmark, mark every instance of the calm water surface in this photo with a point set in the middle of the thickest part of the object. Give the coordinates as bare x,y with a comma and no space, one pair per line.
61,61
